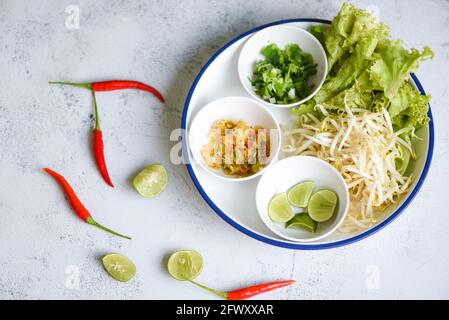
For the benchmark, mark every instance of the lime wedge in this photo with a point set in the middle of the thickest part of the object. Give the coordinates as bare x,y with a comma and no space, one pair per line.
322,205
279,209
119,267
151,181
185,265
299,194
302,221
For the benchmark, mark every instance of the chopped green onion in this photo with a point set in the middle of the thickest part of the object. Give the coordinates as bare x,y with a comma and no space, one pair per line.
283,77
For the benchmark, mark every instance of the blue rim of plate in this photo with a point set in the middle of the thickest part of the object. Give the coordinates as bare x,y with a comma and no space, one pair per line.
296,246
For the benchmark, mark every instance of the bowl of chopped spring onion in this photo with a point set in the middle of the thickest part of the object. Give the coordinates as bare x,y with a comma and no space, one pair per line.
282,66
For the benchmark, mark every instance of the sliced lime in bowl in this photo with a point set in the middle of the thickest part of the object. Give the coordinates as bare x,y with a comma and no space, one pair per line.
302,221
119,267
151,181
322,205
185,265
279,209
299,194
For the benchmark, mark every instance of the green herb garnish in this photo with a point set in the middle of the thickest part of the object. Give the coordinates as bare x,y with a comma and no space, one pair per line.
283,77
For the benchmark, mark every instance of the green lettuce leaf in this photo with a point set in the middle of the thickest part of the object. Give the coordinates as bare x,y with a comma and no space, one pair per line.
393,65
351,29
409,108
318,32
305,108
350,42
359,95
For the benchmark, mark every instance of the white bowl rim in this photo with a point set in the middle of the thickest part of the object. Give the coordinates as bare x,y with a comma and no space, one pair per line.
273,156
340,218
243,79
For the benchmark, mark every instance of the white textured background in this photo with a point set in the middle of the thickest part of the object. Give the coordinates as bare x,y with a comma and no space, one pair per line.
165,43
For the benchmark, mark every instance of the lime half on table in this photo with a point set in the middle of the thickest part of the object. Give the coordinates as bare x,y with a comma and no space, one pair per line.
119,267
185,265
279,209
299,194
151,181
322,205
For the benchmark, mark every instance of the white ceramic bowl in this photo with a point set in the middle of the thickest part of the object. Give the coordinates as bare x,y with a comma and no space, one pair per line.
282,36
233,108
288,172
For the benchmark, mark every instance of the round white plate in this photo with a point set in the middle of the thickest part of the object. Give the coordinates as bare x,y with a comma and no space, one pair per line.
235,202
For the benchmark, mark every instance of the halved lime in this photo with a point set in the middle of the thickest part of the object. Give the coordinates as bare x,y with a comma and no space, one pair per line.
302,221
279,209
299,194
119,267
151,181
322,205
185,265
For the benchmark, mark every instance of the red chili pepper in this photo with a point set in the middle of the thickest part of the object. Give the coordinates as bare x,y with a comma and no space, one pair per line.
245,293
98,146
249,292
76,204
115,85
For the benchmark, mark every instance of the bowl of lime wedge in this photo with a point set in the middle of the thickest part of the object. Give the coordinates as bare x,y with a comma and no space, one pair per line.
302,199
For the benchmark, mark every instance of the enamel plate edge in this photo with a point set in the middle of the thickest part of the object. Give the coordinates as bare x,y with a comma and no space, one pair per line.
269,239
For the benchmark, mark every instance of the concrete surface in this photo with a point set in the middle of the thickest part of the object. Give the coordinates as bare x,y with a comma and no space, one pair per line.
46,253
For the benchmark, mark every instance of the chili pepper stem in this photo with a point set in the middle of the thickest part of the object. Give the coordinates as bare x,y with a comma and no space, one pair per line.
97,118
91,221
224,295
82,85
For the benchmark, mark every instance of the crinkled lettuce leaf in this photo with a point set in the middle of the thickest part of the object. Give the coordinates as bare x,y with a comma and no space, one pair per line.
351,29
305,108
409,108
350,43
393,65
359,95
318,31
